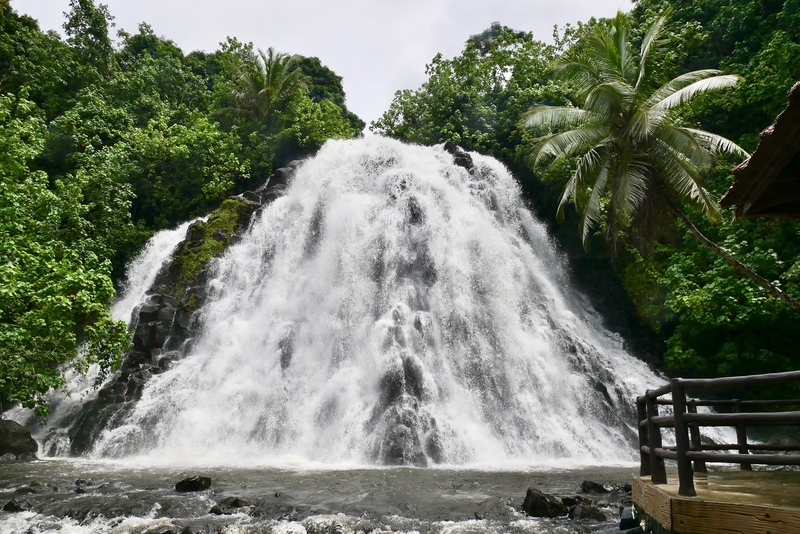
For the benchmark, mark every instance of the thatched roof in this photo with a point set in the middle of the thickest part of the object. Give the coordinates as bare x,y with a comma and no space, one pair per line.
767,184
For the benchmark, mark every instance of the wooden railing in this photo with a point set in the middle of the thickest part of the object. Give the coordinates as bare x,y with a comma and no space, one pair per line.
687,422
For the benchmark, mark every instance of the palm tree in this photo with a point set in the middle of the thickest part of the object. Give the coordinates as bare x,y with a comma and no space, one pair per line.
635,161
264,84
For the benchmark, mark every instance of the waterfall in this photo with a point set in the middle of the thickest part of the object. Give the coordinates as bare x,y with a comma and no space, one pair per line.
391,308
141,272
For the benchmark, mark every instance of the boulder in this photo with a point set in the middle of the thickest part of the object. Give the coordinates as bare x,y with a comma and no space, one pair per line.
539,504
193,484
14,439
17,505
592,487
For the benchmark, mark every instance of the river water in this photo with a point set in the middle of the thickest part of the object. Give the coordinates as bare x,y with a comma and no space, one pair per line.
122,497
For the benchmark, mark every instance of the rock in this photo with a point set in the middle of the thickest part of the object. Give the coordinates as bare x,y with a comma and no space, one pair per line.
603,503
14,439
587,512
7,458
539,504
627,488
17,505
569,502
234,502
193,484
216,510
628,519
460,158
592,487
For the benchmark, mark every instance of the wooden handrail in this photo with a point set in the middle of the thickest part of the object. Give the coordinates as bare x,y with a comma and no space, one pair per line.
689,451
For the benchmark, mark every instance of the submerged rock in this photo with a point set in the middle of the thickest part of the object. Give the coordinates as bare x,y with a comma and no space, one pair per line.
592,487
193,484
587,512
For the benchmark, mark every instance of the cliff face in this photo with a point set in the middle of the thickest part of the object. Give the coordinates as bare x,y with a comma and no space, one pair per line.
165,323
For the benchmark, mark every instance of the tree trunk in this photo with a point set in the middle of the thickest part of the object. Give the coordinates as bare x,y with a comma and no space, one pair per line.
738,265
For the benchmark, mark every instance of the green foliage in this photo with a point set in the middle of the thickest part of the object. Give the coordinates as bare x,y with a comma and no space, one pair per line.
475,99
54,286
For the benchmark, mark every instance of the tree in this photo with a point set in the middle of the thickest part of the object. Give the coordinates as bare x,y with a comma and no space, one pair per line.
636,162
87,31
265,83
55,284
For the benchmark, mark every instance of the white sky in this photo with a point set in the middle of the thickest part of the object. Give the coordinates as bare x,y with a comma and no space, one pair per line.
377,46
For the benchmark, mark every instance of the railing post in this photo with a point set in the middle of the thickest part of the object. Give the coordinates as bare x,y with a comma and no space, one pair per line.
696,443
641,416
685,473
658,473
741,437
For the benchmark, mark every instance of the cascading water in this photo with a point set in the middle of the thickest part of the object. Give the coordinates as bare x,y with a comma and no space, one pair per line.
142,271
391,308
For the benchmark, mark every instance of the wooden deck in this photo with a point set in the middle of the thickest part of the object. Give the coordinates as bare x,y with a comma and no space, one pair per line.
727,502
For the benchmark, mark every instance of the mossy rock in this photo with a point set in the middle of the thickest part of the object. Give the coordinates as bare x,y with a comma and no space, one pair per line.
208,239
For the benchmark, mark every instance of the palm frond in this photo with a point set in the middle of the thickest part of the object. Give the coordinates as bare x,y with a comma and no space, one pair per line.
609,99
567,144
684,178
592,212
555,117
682,96
717,143
647,43
678,83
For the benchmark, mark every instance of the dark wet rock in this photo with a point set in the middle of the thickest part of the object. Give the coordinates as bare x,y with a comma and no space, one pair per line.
229,505
16,440
592,487
460,157
627,488
589,512
635,530
196,483
569,502
539,504
17,504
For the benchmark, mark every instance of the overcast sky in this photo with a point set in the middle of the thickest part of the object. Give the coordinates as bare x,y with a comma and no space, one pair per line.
377,46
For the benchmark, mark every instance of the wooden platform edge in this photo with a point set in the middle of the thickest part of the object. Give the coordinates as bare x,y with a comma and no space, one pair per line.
693,515
652,501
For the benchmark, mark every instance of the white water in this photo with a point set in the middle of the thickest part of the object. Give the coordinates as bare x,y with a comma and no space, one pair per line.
79,388
141,272
392,298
